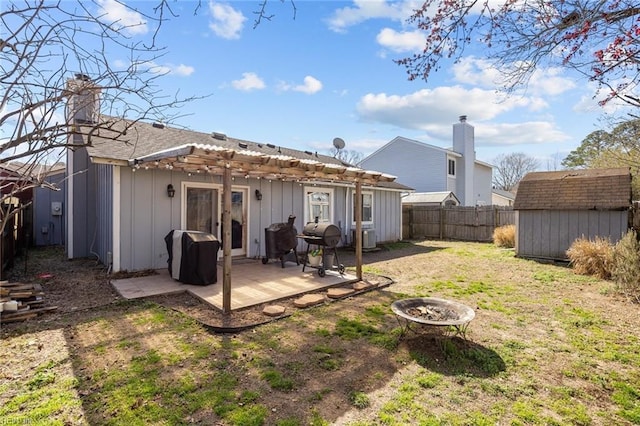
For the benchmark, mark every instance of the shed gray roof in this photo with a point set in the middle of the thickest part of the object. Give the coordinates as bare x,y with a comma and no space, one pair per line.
428,197
143,141
590,189
505,194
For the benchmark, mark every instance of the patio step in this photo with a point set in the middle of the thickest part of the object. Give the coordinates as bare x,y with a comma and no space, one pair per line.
274,310
339,292
309,300
363,285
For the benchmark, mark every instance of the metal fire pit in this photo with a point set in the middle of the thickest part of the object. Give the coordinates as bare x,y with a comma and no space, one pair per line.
431,311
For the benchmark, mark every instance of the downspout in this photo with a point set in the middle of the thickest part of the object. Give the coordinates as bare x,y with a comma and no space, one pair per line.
358,213
115,208
347,218
69,201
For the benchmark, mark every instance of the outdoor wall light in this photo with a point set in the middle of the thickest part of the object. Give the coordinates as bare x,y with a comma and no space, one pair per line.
171,192
258,195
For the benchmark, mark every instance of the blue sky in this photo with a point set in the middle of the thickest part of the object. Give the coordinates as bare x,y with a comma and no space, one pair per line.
330,73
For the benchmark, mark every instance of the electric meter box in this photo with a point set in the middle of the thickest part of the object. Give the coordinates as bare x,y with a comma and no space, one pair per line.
56,208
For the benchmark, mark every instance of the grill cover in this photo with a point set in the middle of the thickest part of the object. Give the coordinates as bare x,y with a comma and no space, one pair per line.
193,256
322,234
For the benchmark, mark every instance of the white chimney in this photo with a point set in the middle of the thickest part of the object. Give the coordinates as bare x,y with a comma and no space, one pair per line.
463,143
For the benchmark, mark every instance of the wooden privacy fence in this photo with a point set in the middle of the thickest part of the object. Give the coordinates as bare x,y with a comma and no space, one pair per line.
454,222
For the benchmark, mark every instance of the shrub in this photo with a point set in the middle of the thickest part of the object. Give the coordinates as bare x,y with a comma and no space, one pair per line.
591,257
625,269
505,236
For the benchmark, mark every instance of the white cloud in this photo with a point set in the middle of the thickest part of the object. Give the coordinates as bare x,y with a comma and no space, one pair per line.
128,20
171,69
615,108
434,111
310,86
550,81
417,110
227,22
120,64
183,70
364,10
482,72
476,72
513,134
249,81
412,41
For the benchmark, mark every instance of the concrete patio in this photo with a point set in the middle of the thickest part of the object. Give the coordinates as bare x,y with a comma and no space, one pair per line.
252,283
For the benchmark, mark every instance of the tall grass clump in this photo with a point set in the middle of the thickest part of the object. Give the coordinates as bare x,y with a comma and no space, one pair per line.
505,236
591,257
625,269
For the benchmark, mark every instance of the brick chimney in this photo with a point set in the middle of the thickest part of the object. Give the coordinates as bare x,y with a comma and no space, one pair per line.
463,143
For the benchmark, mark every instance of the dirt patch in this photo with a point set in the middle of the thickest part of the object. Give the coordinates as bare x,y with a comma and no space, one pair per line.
81,284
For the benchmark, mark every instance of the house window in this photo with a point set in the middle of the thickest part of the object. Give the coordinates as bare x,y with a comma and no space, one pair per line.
319,205
451,169
367,208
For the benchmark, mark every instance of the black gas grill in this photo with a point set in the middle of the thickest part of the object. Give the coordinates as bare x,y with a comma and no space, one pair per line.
326,236
281,242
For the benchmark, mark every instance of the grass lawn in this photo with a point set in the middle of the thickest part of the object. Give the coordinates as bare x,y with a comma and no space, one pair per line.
547,347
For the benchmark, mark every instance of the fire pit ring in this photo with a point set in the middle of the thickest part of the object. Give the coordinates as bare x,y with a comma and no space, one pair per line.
432,311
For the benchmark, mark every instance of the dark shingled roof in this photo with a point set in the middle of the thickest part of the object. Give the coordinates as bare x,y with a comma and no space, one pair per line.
142,139
592,189
147,138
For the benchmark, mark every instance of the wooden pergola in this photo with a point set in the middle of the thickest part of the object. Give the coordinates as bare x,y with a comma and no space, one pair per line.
230,163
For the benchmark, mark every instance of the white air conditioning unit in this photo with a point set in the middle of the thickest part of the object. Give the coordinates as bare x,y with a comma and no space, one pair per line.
368,238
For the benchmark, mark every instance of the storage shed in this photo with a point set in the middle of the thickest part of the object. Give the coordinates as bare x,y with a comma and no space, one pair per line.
442,198
553,209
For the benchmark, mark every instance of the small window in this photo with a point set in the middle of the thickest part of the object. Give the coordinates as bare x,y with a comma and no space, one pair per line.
367,208
451,171
319,205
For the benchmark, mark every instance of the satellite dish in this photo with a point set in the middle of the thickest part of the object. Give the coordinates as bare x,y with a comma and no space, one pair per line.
338,143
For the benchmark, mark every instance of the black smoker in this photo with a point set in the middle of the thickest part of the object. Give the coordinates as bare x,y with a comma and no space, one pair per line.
327,237
280,242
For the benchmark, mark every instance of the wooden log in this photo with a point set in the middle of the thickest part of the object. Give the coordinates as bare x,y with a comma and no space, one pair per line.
7,319
24,314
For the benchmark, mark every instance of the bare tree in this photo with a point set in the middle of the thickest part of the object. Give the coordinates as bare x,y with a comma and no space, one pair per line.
511,168
597,39
44,45
346,156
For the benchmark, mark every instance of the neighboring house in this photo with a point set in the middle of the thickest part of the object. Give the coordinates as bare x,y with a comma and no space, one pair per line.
428,168
553,209
42,221
48,208
126,194
444,199
502,198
